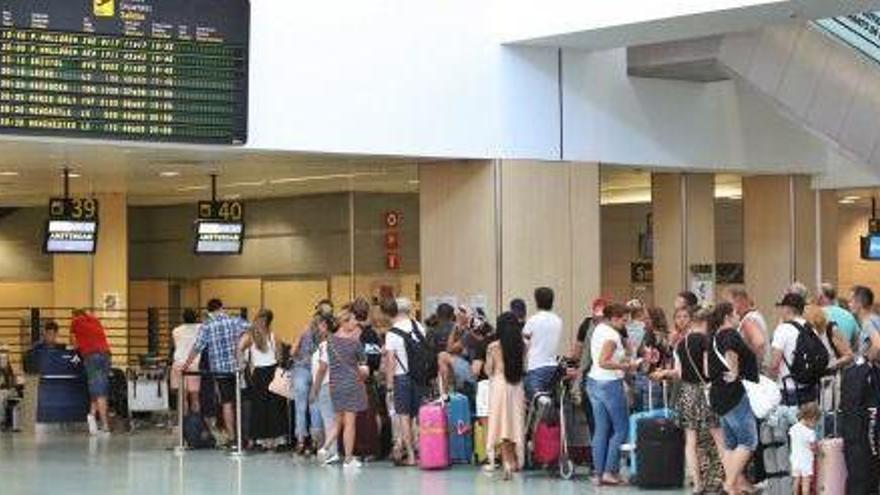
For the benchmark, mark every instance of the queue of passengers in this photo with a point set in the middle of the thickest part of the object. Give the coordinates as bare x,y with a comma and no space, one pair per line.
358,358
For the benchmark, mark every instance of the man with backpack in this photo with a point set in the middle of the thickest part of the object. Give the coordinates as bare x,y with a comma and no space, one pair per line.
799,358
410,365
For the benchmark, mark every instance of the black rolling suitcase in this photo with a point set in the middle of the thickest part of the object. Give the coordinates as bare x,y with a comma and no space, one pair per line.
660,454
859,428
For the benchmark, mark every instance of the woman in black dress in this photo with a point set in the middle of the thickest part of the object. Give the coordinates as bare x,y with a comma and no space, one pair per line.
269,414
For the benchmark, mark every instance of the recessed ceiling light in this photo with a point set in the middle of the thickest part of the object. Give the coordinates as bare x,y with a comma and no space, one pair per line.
72,175
413,181
846,201
9,173
852,198
169,173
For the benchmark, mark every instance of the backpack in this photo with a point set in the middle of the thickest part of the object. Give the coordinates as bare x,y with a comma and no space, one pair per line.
420,354
196,433
810,356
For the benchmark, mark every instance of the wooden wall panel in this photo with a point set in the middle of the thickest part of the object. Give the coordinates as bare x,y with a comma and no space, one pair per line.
292,302
457,224
234,292
768,236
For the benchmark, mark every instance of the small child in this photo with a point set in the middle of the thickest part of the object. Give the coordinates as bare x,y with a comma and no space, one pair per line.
803,448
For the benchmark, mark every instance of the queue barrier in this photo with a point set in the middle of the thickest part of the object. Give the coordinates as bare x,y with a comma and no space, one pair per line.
131,333
238,451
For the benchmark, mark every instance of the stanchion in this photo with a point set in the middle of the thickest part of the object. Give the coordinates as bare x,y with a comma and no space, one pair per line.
181,447
237,452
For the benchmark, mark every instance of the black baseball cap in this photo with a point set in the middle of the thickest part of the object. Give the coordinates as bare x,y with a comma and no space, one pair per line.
795,301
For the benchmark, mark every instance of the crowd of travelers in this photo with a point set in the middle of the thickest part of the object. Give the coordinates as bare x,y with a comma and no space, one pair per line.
356,377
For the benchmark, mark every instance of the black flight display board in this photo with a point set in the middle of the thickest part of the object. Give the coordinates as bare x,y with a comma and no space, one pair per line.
220,228
72,227
149,70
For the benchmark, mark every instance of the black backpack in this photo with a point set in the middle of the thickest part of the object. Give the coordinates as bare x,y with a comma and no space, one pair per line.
811,357
420,354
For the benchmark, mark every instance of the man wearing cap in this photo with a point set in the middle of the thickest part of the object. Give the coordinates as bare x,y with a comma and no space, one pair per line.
791,310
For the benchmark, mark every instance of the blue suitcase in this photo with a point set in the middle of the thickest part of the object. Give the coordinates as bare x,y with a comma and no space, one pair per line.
461,440
636,419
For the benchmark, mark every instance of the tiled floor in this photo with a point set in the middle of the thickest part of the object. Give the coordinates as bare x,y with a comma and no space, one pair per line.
144,464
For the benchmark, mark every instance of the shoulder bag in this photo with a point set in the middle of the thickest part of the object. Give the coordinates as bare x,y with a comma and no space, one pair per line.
764,396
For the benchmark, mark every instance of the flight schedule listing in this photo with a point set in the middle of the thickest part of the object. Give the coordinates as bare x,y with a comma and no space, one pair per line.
152,70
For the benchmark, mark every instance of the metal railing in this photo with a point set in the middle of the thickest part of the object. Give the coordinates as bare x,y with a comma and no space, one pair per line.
132,334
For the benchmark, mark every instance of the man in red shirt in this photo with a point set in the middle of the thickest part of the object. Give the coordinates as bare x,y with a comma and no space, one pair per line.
90,341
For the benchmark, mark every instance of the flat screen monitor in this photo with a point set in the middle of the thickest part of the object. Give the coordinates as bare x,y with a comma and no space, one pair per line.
71,236
219,237
871,247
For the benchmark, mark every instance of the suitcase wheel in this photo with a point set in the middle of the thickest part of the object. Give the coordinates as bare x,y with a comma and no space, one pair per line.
566,469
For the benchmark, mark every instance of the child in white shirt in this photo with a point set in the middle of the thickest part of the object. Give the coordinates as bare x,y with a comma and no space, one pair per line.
803,448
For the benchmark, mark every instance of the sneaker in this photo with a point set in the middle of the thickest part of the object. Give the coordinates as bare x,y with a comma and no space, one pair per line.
354,463
322,455
104,433
93,425
333,459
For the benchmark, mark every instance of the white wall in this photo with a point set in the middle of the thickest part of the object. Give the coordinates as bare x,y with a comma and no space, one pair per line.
396,77
430,79
618,119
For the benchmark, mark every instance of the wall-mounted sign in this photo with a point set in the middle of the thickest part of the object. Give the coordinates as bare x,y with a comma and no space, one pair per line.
220,227
391,221
72,227
703,282
641,272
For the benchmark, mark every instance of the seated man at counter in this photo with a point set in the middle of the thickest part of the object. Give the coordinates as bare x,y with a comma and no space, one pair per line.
48,340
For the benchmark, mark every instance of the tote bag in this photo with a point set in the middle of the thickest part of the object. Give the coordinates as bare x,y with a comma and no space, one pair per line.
764,396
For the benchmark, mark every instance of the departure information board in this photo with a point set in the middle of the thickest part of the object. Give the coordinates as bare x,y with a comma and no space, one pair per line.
151,70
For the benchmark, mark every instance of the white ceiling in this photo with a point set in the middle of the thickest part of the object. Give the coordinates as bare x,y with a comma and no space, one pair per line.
30,172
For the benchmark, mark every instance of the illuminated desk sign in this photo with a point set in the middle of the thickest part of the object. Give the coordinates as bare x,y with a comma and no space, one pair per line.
219,237
72,227
220,228
149,70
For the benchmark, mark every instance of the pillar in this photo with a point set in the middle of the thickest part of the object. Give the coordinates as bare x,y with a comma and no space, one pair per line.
779,233
81,281
458,244
827,221
684,235
497,230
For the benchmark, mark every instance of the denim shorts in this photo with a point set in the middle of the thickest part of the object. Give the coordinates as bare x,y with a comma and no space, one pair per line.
740,427
461,370
98,374
407,396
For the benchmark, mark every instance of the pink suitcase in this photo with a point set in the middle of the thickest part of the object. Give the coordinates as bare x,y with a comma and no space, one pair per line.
830,468
433,437
830,462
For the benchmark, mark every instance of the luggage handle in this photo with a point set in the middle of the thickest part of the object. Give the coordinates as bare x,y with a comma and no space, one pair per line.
663,385
835,381
462,429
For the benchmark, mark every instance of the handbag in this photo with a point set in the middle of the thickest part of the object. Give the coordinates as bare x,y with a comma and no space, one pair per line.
764,396
280,384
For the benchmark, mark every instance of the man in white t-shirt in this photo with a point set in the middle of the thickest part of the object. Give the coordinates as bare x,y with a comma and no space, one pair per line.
405,395
542,331
791,310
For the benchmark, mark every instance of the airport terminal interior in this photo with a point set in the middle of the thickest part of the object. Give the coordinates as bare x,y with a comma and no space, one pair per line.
223,223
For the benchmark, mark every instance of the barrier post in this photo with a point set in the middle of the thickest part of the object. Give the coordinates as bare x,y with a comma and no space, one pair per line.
180,448
35,326
237,453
